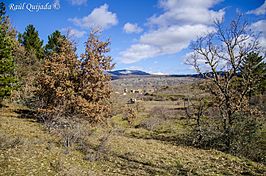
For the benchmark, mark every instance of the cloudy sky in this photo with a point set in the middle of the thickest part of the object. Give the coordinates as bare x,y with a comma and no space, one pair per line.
148,35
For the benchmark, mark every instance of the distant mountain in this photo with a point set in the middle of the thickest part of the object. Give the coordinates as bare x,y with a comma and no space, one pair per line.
116,74
125,72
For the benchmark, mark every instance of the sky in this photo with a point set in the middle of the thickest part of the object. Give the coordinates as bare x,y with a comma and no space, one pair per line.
148,35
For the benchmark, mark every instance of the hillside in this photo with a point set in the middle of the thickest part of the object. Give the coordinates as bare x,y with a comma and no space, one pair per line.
117,74
27,148
126,72
197,108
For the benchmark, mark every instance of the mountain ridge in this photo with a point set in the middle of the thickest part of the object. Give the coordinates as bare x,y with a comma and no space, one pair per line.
116,74
125,72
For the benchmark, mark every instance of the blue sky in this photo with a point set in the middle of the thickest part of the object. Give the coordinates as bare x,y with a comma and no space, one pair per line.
148,35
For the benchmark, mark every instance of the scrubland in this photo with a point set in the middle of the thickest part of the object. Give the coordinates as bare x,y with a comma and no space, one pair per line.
143,138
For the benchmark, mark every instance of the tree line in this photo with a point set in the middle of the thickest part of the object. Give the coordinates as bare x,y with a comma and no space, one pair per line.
52,79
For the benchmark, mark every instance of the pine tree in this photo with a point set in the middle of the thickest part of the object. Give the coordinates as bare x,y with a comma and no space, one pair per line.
253,72
31,41
6,27
2,9
56,89
76,88
7,65
29,59
54,42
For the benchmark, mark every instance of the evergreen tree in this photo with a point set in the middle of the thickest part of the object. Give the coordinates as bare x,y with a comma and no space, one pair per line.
2,9
72,87
7,65
28,57
56,92
253,71
94,86
31,41
54,42
6,27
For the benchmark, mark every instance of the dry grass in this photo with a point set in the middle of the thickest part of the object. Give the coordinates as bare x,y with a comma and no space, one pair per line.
37,152
150,157
27,149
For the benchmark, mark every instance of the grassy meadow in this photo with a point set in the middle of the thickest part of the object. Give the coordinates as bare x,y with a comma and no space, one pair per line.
150,143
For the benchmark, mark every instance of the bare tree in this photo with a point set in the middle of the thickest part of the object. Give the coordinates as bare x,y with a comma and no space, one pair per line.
218,57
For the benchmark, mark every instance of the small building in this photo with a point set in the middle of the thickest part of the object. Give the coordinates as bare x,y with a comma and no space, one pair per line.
138,91
132,101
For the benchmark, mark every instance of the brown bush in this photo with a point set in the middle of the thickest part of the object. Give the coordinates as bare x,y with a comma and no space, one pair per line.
129,114
74,88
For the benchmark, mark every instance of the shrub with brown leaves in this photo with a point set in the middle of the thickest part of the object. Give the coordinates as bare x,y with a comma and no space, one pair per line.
72,87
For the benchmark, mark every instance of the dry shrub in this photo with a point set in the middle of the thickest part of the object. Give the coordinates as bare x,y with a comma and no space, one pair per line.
72,87
71,131
99,152
159,112
151,123
129,114
157,116
139,107
246,135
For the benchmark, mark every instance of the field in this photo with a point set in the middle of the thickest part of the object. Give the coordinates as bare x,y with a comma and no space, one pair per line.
143,137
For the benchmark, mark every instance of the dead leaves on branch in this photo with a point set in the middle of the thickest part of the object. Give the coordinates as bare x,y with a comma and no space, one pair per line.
78,87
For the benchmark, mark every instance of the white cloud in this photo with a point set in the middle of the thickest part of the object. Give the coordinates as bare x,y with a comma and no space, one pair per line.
174,38
189,12
138,52
260,10
99,17
135,68
175,29
74,32
78,2
262,41
260,26
132,28
162,42
158,73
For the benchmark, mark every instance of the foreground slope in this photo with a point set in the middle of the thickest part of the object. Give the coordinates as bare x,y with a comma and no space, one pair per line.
26,148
